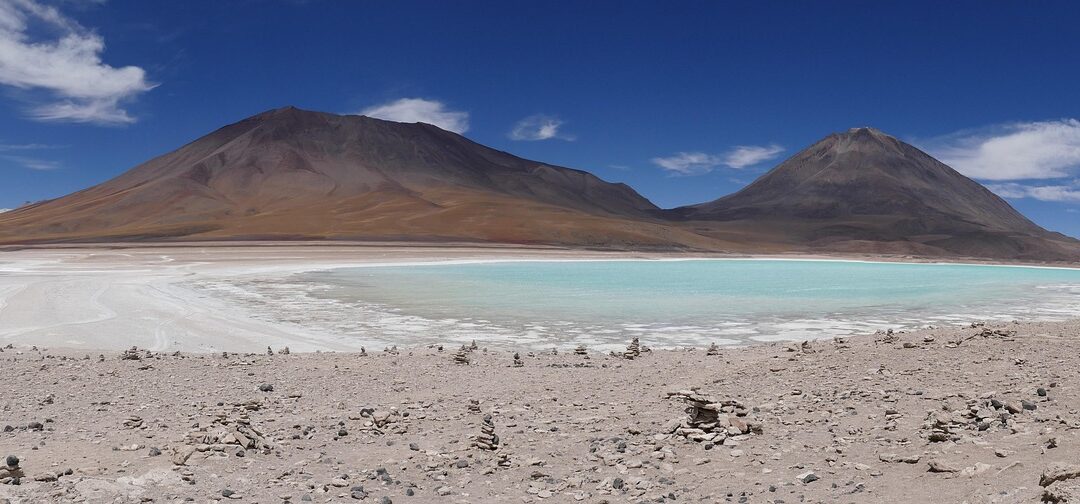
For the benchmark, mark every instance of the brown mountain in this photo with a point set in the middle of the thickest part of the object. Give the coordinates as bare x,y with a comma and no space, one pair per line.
294,174
865,191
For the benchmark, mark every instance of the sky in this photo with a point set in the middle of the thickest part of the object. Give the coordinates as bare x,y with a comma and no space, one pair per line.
685,101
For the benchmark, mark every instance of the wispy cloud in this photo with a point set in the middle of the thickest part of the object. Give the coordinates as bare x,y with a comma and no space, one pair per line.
539,127
32,163
698,163
1057,193
411,110
1017,151
749,155
66,65
688,163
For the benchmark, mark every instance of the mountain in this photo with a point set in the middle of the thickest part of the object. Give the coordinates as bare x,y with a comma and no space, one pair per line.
865,191
290,174
295,174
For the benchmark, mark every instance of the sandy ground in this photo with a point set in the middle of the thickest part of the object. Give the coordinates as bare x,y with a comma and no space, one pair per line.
981,414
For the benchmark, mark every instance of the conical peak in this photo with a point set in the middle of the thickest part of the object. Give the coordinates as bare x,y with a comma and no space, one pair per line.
865,139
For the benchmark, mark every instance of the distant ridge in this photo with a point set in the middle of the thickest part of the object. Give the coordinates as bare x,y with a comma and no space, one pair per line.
291,174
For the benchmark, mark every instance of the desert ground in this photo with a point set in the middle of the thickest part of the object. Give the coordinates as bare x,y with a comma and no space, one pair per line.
200,411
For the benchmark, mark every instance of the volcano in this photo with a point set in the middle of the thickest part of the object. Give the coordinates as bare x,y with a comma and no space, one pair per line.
865,191
291,174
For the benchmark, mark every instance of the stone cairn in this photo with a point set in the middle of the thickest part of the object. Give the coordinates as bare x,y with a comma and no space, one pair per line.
222,433
633,350
383,421
713,350
474,406
980,415
581,350
462,356
710,420
473,346
285,351
131,354
517,360
269,351
10,472
487,440
363,352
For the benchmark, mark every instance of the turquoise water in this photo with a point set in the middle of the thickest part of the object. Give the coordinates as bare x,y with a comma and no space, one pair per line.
670,303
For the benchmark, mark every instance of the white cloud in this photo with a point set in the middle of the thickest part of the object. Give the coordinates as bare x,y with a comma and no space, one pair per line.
1056,193
697,163
688,163
67,65
539,127
748,155
411,110
1031,150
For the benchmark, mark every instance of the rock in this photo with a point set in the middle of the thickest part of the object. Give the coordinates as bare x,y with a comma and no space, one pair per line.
154,452
893,458
1028,405
938,466
517,360
712,420
1059,472
807,477
443,491
11,461
181,455
1041,392
266,387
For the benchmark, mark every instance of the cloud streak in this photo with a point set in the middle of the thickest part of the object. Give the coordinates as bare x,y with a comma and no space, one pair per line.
749,155
66,66
539,127
412,110
1054,193
1017,151
699,163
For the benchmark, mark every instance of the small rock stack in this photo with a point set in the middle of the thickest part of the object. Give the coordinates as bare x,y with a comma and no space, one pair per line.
462,356
517,360
131,354
133,422
581,350
225,431
710,420
10,472
382,421
285,351
633,350
713,350
269,351
474,406
487,440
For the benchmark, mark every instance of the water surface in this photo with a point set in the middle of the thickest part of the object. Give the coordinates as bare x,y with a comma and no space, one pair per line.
666,303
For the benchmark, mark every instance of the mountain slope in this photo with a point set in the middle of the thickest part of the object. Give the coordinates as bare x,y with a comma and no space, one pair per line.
290,174
863,190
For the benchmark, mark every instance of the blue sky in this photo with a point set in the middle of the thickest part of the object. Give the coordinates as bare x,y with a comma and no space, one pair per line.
684,101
